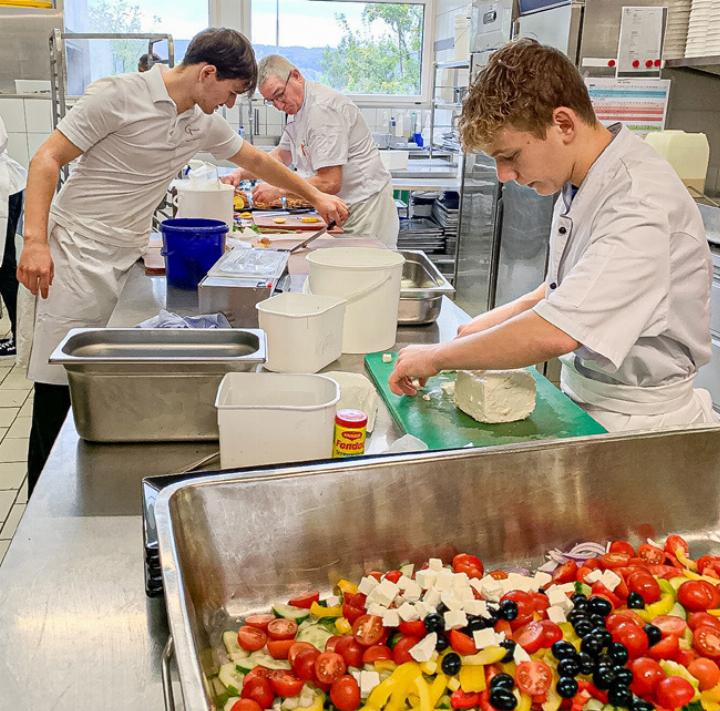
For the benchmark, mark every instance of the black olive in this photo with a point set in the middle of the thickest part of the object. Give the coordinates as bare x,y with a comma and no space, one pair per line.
635,601
603,677
618,653
587,663
578,600
597,620
603,635
542,591
623,676
569,666
434,623
475,623
508,610
653,633
442,608
566,687
451,664
604,660
442,643
576,615
591,644
583,628
619,696
503,699
562,650
599,606
492,616
641,705
504,681
510,646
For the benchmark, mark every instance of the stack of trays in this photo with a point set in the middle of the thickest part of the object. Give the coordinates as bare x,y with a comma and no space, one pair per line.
676,31
421,233
703,38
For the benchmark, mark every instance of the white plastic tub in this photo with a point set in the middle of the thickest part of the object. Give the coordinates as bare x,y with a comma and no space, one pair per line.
304,331
265,418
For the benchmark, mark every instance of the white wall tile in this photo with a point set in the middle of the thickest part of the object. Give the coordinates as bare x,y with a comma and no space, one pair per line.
18,148
38,116
35,140
13,115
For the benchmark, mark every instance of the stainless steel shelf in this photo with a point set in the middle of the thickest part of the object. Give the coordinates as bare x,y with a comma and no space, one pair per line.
462,64
444,105
704,65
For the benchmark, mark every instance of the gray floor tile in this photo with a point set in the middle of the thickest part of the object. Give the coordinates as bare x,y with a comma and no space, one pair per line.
8,415
14,449
20,428
16,381
12,475
4,372
6,502
12,398
4,545
22,496
26,409
12,521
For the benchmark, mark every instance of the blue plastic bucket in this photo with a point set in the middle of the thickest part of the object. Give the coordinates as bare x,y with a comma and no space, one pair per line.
191,245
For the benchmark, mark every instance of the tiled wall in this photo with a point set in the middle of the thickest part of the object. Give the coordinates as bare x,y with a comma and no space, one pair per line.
28,123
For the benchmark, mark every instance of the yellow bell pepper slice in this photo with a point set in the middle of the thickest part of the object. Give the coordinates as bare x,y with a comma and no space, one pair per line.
437,688
385,665
472,678
553,701
489,655
696,576
509,668
397,684
343,626
423,689
712,694
665,586
661,607
715,612
345,586
524,702
320,611
318,703
690,564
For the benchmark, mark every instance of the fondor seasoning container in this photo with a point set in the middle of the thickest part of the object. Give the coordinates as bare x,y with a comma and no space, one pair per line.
350,433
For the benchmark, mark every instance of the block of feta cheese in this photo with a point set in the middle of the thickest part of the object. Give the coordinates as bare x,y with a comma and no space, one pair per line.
495,395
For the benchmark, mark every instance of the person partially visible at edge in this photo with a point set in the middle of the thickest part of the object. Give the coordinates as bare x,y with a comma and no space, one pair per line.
147,61
131,134
625,304
330,144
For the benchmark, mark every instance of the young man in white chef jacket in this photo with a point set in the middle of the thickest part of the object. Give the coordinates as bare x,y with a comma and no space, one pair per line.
330,144
131,134
626,300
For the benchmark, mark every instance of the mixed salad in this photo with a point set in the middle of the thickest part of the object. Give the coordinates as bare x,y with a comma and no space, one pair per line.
599,628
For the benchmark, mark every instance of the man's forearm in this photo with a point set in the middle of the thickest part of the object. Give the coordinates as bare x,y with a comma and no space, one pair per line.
275,154
42,179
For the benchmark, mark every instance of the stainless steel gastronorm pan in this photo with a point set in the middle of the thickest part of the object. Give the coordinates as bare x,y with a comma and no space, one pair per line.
238,542
421,289
139,385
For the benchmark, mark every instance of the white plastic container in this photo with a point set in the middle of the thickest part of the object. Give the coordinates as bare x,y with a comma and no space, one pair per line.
369,281
688,153
208,199
275,417
304,331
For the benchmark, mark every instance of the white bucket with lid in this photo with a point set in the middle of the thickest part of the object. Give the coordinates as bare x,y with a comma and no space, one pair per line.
203,195
369,281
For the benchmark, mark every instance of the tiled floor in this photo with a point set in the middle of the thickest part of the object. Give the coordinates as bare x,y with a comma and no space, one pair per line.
15,411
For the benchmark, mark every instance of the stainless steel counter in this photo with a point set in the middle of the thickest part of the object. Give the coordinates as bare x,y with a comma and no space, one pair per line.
76,629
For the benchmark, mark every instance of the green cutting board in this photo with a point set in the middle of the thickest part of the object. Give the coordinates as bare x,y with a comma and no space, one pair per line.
439,424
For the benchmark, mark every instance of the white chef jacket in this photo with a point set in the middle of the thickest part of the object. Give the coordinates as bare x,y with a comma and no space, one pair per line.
12,180
330,130
629,277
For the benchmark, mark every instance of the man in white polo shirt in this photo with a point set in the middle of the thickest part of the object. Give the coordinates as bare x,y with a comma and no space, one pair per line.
131,133
330,144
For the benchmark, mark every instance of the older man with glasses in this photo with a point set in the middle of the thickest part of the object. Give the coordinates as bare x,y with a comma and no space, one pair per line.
331,146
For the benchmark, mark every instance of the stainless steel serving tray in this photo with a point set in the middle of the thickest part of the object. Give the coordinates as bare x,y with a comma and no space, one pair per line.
140,385
421,291
240,541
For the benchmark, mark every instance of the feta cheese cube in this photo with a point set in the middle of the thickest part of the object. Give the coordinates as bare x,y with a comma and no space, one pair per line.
556,614
460,580
555,595
455,619
402,582
435,564
515,581
387,357
492,589
376,609
476,607
520,655
610,579
450,601
391,618
384,593
425,578
477,583
593,576
542,579
432,597
407,569
423,650
408,612
368,681
485,638
423,609
444,580
413,591
367,584
567,587
332,600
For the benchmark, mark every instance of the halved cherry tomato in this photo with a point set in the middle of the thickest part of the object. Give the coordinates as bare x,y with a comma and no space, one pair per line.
298,647
530,637
498,574
651,554
368,630
351,613
285,683
667,648
376,653
525,606
471,565
401,650
565,573
614,620
259,621
599,589
257,671
332,643
671,624
393,575
645,585
551,633
662,571
329,667
305,601
282,629
460,699
259,689
647,674
246,705
614,560
685,656
355,599
540,602
280,648
674,692
622,547
303,663
674,543
251,638
461,643
706,640
697,595
698,619
709,565
351,651
534,677
634,639
345,693
706,672
416,628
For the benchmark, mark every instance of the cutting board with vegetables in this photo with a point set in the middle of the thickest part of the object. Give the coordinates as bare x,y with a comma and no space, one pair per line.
309,221
436,421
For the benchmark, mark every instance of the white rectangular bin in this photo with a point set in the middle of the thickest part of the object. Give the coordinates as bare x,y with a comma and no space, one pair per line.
267,418
304,331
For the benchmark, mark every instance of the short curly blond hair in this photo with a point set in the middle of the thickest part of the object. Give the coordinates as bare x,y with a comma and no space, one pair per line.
521,86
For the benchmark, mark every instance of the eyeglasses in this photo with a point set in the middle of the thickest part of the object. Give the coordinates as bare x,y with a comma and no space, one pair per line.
280,97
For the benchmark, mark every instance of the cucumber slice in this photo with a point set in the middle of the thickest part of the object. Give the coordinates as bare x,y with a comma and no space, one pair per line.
231,678
260,659
231,644
315,634
678,611
290,612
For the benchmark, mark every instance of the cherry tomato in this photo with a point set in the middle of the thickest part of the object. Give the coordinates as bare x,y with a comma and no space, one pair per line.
461,643
251,638
351,651
401,650
698,619
674,692
460,699
540,602
258,689
530,637
282,629
259,621
697,595
685,656
663,571
647,674
351,613
709,565
257,671
393,575
303,663
416,628
599,589
504,627
666,648
285,683
355,599
651,554
375,574
670,624
617,619
329,667
614,560
644,585
581,573
622,547
634,639
706,640
471,565
551,633
533,677
345,693
675,543
246,705
305,601
280,648
706,672
368,630
565,573
525,606
376,653
332,643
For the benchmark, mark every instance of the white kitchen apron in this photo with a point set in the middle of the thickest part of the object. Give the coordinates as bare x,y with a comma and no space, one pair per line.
622,408
4,204
88,278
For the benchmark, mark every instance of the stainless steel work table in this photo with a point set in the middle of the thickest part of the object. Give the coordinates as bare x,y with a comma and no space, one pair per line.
76,629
